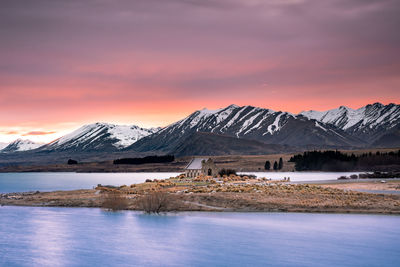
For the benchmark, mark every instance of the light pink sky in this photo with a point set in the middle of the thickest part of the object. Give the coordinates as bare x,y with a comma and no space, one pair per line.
150,63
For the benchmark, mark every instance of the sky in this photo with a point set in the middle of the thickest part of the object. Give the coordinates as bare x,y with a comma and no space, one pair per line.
152,62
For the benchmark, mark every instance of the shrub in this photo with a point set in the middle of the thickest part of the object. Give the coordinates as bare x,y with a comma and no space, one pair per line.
114,200
227,172
155,202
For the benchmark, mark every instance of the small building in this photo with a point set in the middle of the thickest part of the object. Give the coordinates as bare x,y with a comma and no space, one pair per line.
201,166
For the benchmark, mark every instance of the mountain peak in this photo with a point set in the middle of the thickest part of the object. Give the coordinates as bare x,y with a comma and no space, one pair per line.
20,145
376,104
233,106
100,136
365,121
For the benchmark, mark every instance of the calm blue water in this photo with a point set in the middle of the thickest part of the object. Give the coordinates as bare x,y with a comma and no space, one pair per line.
51,181
92,237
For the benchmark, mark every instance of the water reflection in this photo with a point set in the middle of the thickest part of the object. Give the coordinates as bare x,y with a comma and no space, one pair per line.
50,238
92,237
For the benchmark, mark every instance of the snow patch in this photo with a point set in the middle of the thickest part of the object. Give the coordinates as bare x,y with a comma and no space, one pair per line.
274,127
370,116
3,145
320,126
21,145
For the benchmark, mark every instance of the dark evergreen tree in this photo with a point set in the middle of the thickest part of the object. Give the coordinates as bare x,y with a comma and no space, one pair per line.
280,164
275,166
267,165
148,159
337,161
72,162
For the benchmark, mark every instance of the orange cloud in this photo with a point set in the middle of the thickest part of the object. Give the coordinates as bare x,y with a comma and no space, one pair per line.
37,133
10,132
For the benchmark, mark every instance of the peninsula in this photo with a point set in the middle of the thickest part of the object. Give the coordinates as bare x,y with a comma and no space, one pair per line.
228,193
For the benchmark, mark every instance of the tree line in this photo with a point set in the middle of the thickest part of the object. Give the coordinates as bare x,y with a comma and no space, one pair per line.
338,161
148,159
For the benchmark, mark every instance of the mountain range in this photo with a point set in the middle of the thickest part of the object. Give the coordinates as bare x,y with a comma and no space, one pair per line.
371,123
247,123
237,130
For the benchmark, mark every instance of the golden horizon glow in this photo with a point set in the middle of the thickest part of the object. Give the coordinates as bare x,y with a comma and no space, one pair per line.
151,63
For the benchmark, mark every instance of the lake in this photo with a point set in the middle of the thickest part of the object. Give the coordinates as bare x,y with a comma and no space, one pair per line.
31,236
51,181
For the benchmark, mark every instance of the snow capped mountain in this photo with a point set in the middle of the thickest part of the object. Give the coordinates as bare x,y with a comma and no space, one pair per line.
238,129
233,120
247,122
3,145
100,136
20,145
369,122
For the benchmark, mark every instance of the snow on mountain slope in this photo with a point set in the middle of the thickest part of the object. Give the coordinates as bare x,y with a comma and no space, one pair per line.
232,120
20,145
369,122
247,122
3,145
100,136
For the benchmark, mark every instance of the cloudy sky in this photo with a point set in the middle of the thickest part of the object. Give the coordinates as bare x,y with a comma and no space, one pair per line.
151,62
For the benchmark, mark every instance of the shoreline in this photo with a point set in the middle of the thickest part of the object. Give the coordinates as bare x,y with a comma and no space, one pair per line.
347,212
270,197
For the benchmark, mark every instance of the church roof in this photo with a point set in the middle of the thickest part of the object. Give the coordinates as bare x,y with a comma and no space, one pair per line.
195,164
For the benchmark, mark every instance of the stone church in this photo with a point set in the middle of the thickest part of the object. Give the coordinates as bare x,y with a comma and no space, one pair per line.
201,166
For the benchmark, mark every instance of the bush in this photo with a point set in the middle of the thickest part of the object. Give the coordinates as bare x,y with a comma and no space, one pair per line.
114,200
226,172
155,202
